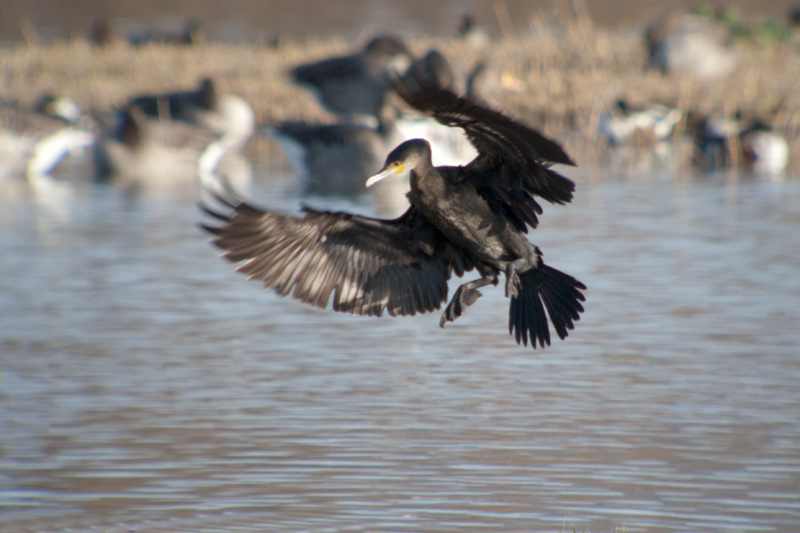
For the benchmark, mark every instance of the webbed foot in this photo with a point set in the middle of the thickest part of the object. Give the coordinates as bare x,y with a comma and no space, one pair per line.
463,298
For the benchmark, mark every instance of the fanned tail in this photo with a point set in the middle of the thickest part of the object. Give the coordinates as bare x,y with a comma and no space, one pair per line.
545,288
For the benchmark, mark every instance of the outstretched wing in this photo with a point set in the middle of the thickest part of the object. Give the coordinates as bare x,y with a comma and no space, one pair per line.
369,265
513,162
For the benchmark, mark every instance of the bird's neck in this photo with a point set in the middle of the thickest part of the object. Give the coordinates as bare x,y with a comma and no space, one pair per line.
427,185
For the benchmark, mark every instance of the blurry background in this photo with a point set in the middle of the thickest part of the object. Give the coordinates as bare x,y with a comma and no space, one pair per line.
254,20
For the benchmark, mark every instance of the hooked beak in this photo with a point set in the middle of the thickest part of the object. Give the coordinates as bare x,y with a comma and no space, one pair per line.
389,170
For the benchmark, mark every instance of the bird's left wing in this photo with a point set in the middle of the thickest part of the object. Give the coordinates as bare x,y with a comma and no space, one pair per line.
369,265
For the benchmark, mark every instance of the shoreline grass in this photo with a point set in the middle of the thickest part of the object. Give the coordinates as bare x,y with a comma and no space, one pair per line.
566,77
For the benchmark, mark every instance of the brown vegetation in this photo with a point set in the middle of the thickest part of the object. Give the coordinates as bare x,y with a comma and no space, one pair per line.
560,79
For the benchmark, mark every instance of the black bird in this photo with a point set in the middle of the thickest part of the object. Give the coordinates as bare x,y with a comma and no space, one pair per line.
355,85
461,218
175,105
434,68
206,107
331,159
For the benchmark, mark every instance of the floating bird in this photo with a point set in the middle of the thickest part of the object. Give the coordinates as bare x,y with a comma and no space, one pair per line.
171,30
729,141
59,106
435,67
222,114
622,123
34,141
142,152
690,45
765,151
332,159
355,85
168,30
460,218
472,33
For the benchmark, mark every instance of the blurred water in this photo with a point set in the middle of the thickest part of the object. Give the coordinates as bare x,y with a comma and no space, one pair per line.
145,386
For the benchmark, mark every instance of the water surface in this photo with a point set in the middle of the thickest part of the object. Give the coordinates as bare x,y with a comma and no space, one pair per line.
145,386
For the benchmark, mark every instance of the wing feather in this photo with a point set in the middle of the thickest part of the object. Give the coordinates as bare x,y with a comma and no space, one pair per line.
369,265
514,160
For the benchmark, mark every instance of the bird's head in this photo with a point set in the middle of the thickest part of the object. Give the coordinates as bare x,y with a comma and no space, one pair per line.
408,156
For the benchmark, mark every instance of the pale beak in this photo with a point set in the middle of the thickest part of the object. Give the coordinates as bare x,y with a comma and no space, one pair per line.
385,173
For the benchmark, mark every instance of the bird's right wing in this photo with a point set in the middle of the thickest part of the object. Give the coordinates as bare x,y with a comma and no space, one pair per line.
369,265
513,163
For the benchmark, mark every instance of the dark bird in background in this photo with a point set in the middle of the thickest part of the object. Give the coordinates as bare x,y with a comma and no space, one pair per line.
205,107
435,68
138,152
355,85
729,141
460,218
472,33
331,159
178,104
168,30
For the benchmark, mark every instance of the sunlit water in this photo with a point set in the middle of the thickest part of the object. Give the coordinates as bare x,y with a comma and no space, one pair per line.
147,387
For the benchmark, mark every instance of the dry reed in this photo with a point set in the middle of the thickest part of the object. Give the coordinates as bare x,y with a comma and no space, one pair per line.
563,77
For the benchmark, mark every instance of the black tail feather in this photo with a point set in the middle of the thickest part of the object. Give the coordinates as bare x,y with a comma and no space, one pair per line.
545,288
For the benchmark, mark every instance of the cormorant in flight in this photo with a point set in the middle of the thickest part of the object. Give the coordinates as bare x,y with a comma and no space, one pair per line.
461,218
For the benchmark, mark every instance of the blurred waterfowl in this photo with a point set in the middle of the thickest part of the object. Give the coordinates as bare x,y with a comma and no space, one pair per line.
435,67
222,114
59,106
145,153
472,33
765,151
711,136
623,123
104,34
33,141
180,31
729,141
449,146
355,85
460,218
331,159
107,32
690,45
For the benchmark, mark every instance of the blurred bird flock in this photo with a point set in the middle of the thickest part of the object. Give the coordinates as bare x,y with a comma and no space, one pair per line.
691,92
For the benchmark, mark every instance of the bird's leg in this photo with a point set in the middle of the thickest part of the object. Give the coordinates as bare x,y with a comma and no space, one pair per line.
466,295
512,279
512,275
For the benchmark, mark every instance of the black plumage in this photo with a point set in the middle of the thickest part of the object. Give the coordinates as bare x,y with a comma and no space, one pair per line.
179,105
355,85
461,218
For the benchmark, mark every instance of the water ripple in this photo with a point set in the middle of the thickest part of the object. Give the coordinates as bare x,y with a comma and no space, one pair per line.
145,386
